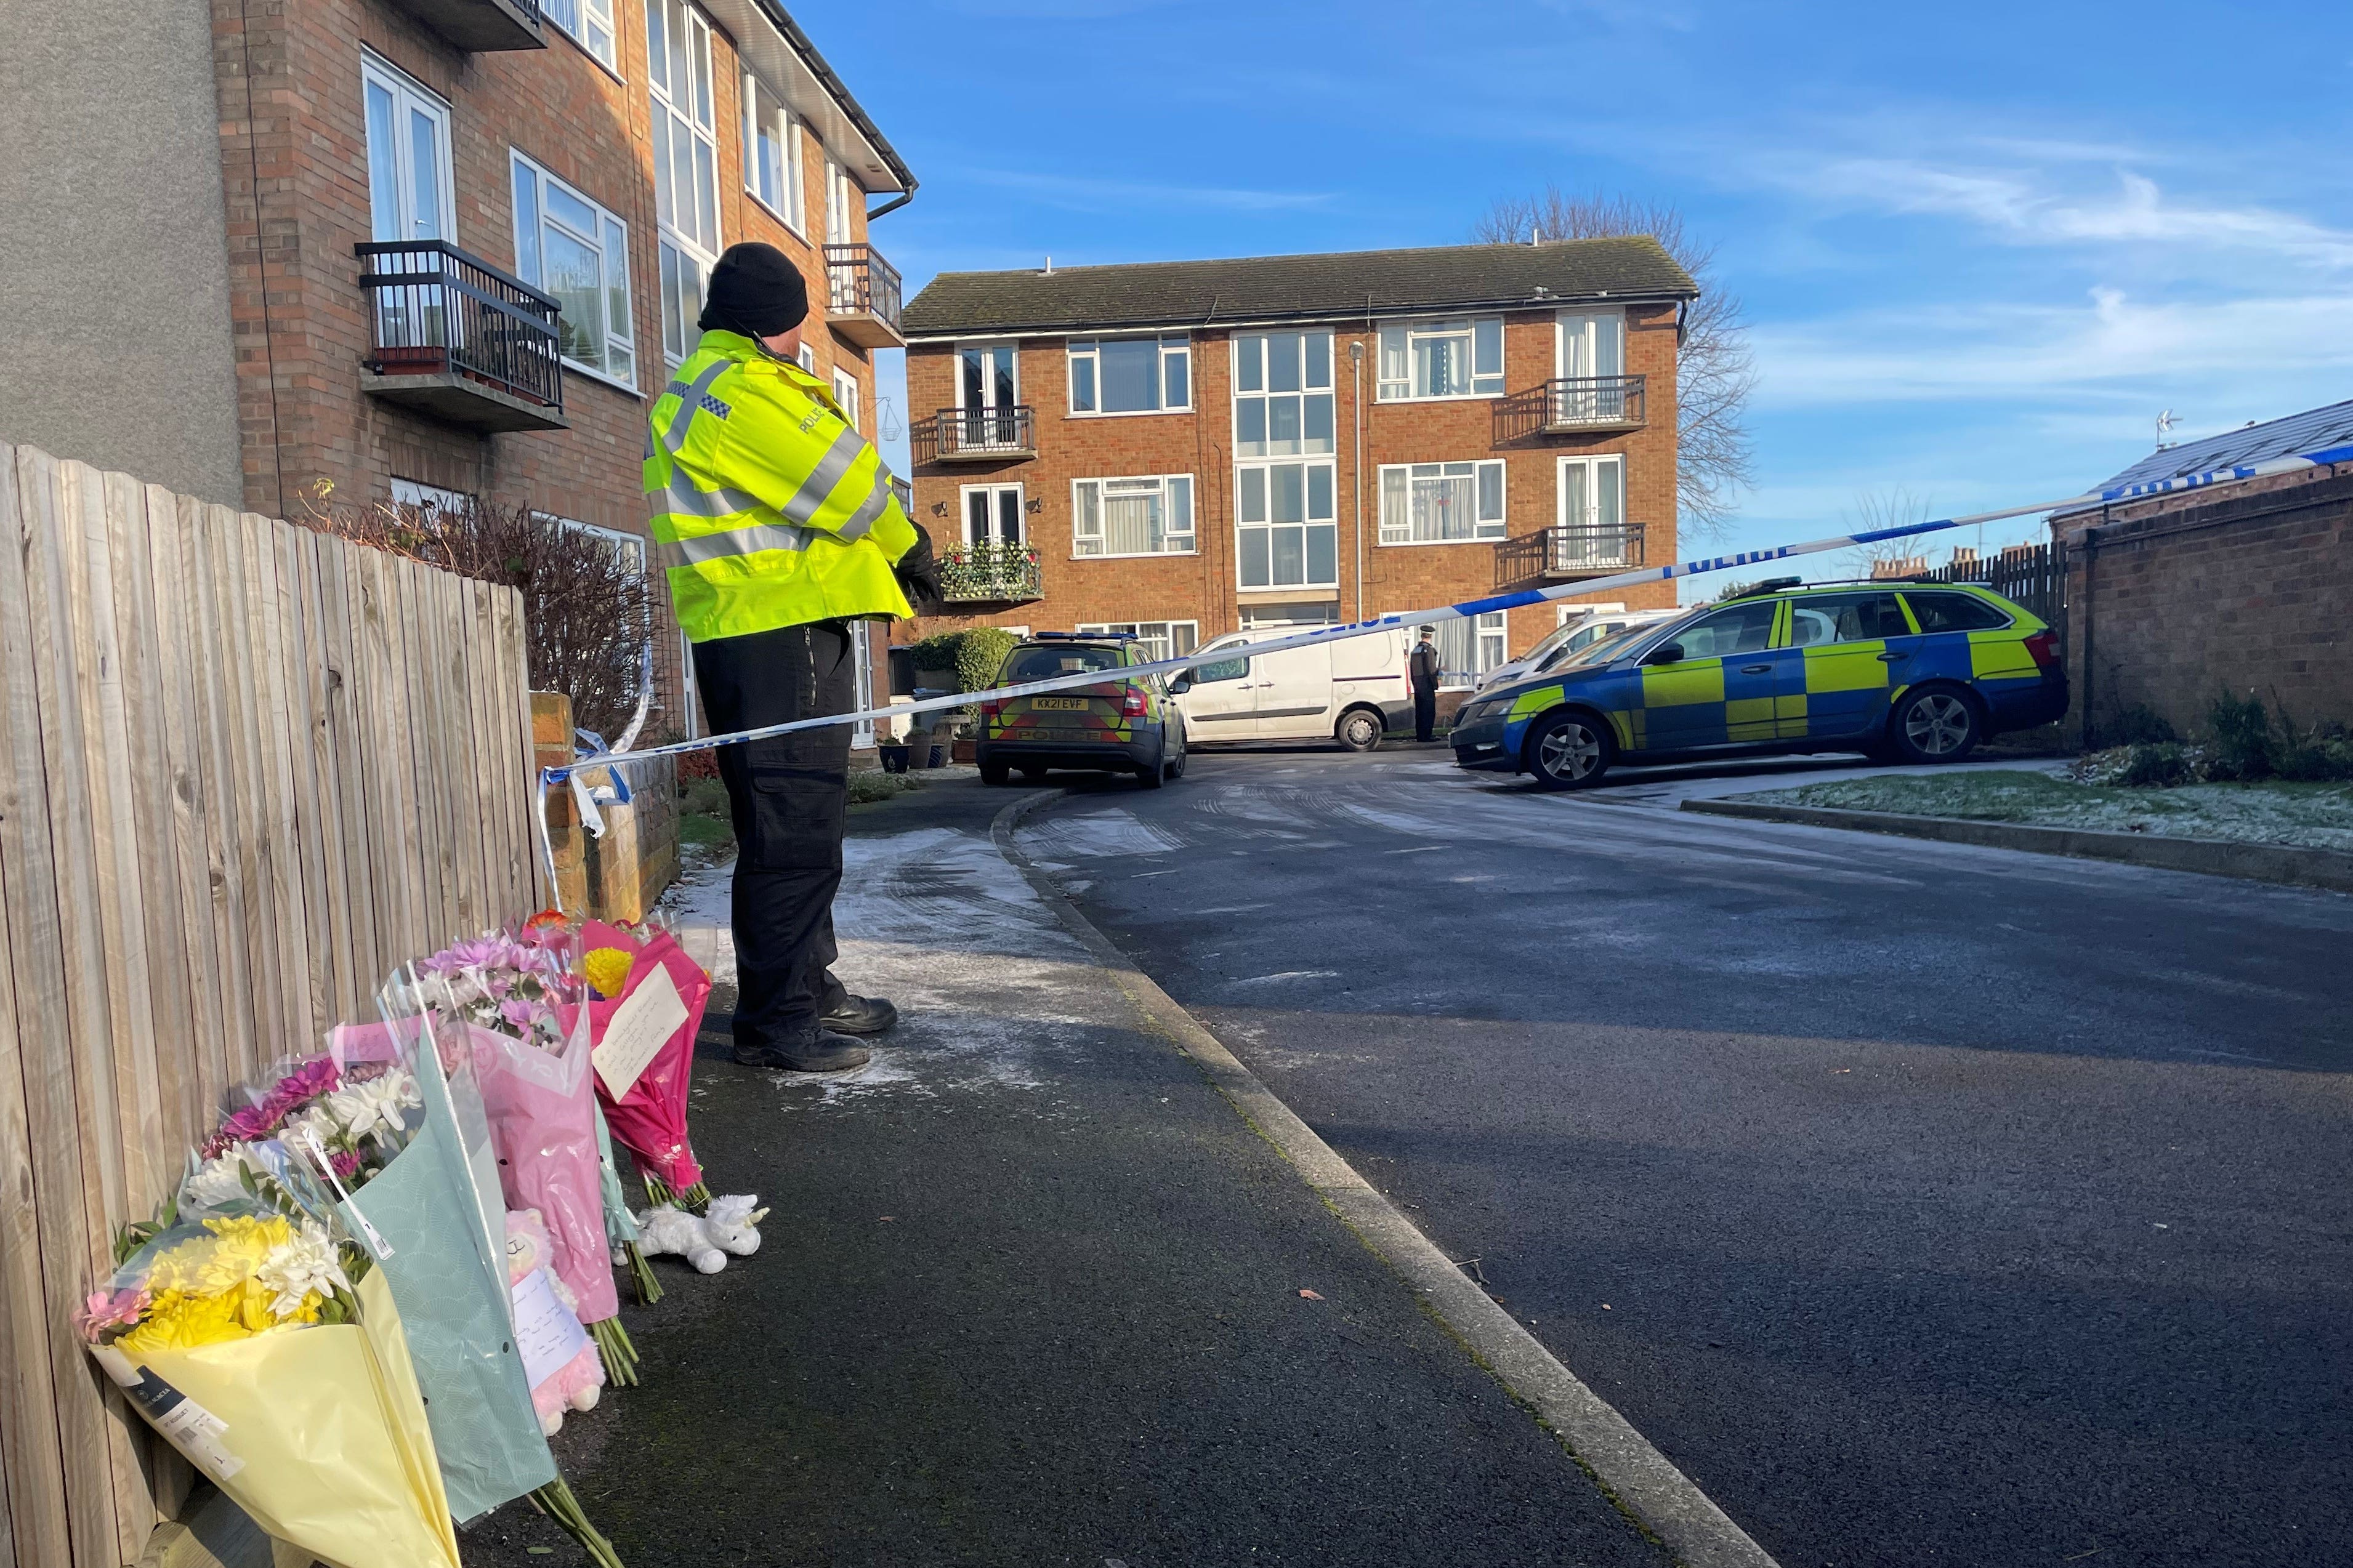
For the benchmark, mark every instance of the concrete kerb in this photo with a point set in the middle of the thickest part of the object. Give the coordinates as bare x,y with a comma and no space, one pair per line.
2329,870
1638,1478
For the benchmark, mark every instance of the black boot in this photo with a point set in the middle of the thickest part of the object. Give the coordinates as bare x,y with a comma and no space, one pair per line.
812,1051
859,1015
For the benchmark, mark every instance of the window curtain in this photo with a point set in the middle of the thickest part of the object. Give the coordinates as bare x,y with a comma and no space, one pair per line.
1132,524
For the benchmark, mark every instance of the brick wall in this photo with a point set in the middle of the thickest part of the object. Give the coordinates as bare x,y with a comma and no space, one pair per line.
1202,587
2170,601
294,159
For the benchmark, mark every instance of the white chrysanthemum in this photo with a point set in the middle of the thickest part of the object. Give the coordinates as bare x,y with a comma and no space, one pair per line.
365,1107
217,1182
304,1264
316,1120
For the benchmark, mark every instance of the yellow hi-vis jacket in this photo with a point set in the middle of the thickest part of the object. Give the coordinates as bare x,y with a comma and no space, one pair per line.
768,510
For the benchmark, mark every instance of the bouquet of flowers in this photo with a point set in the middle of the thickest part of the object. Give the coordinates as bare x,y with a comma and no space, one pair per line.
645,1009
379,1115
266,1348
519,1006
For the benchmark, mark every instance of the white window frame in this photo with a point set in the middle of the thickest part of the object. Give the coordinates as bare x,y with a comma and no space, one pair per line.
1189,534
843,196
1486,638
426,498
611,240
1398,531
408,96
845,392
1601,334
1020,512
987,346
1173,346
808,358
1596,510
1564,612
861,666
1309,519
1394,380
1254,371
764,109
1155,647
686,259
589,23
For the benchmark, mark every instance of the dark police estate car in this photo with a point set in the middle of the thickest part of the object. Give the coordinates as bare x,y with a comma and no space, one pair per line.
1910,672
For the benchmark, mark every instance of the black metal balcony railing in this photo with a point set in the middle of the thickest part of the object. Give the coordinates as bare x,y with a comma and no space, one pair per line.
1569,404
1568,551
860,283
976,434
991,571
436,311
486,26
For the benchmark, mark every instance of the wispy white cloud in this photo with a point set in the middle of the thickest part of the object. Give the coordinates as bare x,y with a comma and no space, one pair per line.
1084,194
2234,349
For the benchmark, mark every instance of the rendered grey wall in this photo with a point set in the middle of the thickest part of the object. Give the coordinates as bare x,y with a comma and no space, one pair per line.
114,324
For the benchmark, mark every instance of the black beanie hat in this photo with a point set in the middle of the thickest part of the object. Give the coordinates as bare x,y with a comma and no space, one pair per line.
756,292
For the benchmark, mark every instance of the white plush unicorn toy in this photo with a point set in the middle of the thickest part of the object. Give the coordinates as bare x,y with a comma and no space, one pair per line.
707,1242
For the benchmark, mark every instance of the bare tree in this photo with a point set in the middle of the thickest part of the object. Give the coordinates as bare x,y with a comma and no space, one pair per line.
1714,371
1869,512
585,596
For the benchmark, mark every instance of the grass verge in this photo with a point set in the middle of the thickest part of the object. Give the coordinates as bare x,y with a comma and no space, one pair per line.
2316,816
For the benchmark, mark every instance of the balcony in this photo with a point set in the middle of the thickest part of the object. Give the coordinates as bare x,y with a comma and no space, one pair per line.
455,338
1574,405
975,435
904,494
480,26
1563,552
990,574
863,297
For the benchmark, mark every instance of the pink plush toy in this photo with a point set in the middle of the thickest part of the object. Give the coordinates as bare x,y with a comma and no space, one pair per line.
558,1355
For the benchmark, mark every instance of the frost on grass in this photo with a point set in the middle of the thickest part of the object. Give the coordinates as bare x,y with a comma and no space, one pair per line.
2313,815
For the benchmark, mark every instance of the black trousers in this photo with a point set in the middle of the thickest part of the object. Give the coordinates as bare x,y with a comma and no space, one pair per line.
788,796
1425,715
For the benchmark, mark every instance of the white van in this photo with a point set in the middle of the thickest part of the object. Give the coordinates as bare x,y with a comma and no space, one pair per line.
1350,690
1580,627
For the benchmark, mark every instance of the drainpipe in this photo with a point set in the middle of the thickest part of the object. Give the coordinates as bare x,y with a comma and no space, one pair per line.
1356,379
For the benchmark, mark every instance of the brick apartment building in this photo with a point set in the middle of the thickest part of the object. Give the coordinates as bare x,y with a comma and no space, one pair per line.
431,250
1181,450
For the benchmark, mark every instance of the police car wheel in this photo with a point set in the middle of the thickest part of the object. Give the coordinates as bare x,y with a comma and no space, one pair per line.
995,773
1570,750
1936,724
1033,772
1151,775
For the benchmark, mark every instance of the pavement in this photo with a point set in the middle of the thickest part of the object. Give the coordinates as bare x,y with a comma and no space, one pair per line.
1923,1203
1032,1292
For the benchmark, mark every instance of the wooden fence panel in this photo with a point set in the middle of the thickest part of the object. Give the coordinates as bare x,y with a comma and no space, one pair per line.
247,770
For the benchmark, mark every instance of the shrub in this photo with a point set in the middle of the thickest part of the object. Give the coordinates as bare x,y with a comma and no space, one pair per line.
937,652
980,655
2161,764
2242,747
2321,752
2139,725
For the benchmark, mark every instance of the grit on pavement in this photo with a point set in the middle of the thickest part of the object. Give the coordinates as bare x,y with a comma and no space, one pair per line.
1924,1204
1030,1292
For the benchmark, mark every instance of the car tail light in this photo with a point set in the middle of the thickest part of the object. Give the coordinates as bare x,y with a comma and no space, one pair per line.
1132,702
2042,648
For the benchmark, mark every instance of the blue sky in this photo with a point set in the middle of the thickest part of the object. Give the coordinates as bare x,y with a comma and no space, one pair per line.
1980,246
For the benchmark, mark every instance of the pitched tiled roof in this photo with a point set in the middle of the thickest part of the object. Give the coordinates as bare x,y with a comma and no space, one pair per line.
2315,430
1292,287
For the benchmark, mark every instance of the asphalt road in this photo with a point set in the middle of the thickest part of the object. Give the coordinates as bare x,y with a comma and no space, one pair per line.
1925,1204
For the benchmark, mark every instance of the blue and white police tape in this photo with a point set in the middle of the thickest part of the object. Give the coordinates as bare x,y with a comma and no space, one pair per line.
2239,473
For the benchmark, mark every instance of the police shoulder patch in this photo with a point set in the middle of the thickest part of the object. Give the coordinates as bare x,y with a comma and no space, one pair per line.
713,405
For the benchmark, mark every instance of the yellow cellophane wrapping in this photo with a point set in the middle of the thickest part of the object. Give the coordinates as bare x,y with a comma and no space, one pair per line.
337,1458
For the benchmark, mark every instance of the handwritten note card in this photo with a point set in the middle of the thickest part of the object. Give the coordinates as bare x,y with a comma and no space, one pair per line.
640,1027
546,1332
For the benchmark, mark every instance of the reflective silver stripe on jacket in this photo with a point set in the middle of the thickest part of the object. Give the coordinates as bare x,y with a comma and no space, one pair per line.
682,497
870,511
827,473
729,542
689,396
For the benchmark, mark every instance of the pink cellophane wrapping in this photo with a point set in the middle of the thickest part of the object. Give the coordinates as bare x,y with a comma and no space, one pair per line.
650,1119
543,1123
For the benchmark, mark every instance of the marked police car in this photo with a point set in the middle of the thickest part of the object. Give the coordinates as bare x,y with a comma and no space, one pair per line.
1121,726
1911,672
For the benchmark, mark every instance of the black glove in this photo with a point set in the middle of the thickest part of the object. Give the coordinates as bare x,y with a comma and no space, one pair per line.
918,575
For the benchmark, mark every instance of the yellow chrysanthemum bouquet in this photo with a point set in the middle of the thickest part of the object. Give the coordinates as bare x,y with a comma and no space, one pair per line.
264,1344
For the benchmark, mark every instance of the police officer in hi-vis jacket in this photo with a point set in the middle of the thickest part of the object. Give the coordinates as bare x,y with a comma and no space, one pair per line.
775,525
